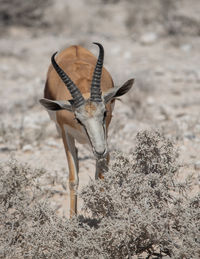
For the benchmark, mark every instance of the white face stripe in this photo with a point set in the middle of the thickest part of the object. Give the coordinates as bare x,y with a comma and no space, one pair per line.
91,116
97,135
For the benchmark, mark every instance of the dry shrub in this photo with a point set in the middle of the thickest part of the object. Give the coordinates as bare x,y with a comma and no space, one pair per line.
140,206
18,192
139,209
29,227
22,12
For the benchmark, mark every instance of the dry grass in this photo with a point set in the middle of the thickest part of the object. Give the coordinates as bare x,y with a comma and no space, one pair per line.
139,209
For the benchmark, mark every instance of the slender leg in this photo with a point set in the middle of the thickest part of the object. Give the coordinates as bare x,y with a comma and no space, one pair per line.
101,167
72,157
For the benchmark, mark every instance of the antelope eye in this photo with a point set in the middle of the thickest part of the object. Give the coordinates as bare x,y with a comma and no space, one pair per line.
104,115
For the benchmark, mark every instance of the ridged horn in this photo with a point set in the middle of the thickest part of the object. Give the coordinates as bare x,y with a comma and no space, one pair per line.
73,89
95,94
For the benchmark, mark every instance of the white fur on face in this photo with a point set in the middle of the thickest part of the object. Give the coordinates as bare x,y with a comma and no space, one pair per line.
91,116
97,135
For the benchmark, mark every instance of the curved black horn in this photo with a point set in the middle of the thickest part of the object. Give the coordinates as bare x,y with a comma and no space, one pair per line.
96,80
73,89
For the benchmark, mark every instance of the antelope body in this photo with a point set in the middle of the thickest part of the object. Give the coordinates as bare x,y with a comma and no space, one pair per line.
78,95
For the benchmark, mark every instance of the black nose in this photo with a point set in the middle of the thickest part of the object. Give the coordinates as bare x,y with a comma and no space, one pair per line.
102,154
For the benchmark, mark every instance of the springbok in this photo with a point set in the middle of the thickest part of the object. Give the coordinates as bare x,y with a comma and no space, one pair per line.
79,95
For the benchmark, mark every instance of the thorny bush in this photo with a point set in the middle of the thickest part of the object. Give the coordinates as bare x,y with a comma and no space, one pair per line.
139,209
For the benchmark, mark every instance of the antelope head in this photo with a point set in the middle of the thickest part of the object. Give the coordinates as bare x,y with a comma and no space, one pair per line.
89,113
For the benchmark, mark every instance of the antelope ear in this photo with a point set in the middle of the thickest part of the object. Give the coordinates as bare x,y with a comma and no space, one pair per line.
118,91
57,105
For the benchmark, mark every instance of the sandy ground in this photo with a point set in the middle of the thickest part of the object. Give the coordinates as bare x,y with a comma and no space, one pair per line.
166,95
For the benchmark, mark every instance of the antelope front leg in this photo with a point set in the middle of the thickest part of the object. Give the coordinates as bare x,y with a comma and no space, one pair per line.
101,166
72,158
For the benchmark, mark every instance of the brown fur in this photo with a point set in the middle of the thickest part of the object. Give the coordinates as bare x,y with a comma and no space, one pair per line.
90,108
79,64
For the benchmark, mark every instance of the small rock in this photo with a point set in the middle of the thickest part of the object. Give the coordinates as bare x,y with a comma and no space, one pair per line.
159,71
186,47
189,135
4,149
150,100
127,55
27,148
197,165
166,111
160,117
4,68
148,38
177,78
52,143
